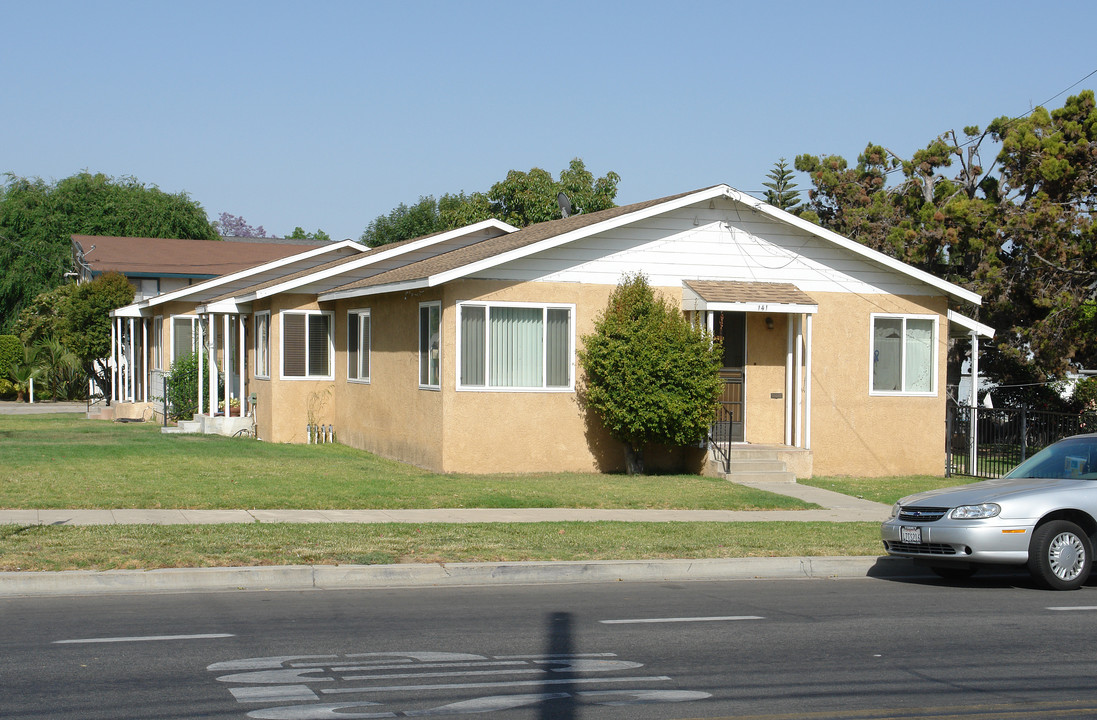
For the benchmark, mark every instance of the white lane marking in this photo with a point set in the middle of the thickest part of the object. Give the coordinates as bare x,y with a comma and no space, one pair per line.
1079,607
723,618
144,638
516,683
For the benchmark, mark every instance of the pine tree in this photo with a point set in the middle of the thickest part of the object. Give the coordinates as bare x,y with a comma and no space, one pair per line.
781,193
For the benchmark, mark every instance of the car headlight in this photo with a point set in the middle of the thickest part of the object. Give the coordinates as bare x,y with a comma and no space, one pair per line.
895,510
974,512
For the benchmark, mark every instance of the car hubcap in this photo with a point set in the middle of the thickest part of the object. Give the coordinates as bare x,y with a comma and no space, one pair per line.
1067,555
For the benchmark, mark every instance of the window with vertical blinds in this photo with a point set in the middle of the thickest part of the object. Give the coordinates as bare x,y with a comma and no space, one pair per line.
183,337
306,345
262,345
515,346
358,344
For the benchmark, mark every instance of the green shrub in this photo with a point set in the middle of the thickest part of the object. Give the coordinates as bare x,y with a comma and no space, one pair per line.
11,352
182,387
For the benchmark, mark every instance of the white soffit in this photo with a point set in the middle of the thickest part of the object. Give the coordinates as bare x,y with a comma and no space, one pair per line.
956,319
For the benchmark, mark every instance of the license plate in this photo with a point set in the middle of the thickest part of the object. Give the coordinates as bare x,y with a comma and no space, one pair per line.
911,535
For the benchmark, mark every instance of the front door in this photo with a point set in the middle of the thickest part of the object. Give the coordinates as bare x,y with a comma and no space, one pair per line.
731,329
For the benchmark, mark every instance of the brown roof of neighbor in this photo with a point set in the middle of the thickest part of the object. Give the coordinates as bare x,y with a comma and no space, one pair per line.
501,244
188,258
738,291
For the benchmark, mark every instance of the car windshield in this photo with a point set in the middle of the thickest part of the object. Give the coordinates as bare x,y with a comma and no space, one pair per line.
1074,457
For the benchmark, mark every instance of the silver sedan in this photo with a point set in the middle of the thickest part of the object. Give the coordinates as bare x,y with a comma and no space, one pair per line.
1042,515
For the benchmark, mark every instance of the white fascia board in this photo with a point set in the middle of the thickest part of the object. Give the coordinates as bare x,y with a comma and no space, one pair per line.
761,307
856,247
129,311
231,306
971,325
557,240
385,255
374,290
241,274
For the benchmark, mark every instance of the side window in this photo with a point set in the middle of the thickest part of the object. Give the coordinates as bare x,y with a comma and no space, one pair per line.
515,346
262,345
904,358
430,345
184,336
358,345
307,345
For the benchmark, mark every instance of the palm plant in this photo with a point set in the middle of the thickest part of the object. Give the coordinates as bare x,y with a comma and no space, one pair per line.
62,372
23,371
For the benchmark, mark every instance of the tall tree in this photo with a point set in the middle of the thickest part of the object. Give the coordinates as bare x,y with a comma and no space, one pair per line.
1022,233
88,324
37,219
521,199
781,190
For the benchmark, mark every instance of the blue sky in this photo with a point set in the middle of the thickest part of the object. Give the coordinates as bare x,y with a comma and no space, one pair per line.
327,114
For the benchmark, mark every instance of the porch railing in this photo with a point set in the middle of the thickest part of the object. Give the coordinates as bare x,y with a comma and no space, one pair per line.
989,442
719,437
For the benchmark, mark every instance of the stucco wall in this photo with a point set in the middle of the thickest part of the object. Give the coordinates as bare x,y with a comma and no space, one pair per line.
854,432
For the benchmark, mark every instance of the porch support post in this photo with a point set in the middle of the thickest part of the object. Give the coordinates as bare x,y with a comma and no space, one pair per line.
213,370
113,359
807,388
973,400
799,382
788,384
226,359
244,409
201,349
131,376
144,360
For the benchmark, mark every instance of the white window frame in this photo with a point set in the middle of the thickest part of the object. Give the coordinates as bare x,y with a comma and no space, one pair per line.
437,384
356,317
193,334
544,307
904,317
282,345
262,352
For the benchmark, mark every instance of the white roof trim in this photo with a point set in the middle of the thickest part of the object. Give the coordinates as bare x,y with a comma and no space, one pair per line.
384,254
855,247
223,279
967,323
374,290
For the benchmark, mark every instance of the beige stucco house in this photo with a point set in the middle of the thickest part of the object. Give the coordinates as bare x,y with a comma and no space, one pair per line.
457,351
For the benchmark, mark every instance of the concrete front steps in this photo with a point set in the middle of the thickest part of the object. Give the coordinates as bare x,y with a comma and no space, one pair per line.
762,463
203,424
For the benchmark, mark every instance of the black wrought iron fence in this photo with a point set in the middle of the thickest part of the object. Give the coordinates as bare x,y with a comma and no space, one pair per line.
989,442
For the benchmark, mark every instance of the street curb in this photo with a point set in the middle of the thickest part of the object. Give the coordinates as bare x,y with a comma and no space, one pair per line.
350,577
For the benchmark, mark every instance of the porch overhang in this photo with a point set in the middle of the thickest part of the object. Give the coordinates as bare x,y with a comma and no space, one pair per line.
740,296
960,326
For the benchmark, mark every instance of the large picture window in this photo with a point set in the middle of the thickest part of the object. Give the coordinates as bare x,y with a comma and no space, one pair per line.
307,345
515,346
430,345
358,344
262,345
904,361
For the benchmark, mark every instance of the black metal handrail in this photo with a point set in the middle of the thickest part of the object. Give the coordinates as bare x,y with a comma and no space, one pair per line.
719,437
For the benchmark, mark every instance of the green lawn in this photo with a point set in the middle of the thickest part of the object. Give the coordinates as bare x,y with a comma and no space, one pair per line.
886,489
65,461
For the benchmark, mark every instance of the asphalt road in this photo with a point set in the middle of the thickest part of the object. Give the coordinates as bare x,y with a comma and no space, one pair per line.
776,649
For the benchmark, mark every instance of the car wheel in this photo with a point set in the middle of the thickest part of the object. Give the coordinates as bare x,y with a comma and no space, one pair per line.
953,573
1060,555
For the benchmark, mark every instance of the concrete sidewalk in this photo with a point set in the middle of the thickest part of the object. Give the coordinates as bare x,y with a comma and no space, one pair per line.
836,508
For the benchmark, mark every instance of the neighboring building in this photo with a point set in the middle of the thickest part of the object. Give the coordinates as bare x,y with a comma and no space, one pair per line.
158,265
457,351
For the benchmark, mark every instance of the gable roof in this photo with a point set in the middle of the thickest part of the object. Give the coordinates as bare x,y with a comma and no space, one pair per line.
174,257
542,236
